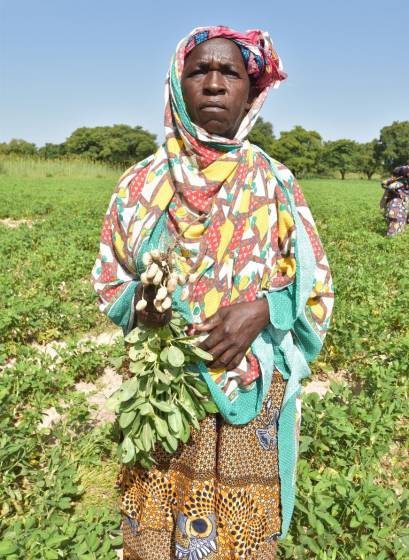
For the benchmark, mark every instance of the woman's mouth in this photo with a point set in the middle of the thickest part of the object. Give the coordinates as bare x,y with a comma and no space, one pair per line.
213,106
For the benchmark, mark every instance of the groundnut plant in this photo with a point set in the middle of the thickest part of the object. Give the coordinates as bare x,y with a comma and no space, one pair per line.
164,396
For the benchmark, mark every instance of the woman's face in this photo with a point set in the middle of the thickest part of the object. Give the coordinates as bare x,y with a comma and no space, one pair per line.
216,87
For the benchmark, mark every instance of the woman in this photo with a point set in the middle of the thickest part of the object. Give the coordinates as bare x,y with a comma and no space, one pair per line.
395,200
263,296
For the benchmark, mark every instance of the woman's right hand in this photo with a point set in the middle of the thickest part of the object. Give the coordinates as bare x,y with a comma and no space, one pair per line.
150,316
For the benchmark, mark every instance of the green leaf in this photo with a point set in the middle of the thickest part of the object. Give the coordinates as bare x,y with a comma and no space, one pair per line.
210,406
187,402
146,409
127,450
172,442
147,437
200,353
128,389
201,386
185,435
133,336
150,356
178,322
163,377
126,418
175,421
164,355
132,404
163,406
51,555
176,358
113,402
137,367
166,446
310,543
7,547
161,426
117,361
134,354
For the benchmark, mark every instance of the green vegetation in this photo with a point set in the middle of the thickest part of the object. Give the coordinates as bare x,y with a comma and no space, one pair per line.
118,144
165,396
304,151
57,497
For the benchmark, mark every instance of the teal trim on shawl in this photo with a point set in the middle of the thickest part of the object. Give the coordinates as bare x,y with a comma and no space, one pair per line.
298,343
282,308
287,460
244,408
120,311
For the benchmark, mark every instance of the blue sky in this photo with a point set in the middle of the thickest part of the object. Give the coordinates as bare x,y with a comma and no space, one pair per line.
71,63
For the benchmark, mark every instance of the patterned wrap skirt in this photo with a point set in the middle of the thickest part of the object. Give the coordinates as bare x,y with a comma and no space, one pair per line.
396,211
217,498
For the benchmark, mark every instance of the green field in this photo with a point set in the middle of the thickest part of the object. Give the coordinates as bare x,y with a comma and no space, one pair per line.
57,497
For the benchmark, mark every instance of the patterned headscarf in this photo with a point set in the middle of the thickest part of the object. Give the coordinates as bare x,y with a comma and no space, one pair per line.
262,62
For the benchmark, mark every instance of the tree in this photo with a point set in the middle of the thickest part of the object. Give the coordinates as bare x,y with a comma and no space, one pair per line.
367,158
262,135
119,143
340,155
18,147
50,151
393,146
300,150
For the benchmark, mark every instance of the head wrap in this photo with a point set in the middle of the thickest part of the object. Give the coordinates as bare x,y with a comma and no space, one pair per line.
263,66
262,62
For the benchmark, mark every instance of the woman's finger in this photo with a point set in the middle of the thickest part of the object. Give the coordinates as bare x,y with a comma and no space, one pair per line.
235,361
213,340
229,360
219,350
209,324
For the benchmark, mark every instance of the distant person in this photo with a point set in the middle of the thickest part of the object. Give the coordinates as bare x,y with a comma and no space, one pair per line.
263,293
395,200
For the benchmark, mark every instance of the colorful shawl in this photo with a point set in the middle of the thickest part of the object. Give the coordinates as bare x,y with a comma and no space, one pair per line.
247,241
258,238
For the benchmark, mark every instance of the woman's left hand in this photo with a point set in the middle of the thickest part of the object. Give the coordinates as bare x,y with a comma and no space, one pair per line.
231,330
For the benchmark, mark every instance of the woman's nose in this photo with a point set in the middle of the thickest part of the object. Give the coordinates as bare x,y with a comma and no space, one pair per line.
214,83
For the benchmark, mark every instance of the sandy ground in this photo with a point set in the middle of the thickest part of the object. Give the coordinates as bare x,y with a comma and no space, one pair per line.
8,222
97,393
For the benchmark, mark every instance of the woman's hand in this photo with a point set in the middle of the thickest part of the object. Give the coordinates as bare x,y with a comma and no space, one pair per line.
150,316
232,330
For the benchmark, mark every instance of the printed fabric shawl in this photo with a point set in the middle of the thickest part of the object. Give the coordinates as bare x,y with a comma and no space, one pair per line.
256,238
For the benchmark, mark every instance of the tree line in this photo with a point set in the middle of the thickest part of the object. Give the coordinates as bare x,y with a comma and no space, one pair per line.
307,154
303,151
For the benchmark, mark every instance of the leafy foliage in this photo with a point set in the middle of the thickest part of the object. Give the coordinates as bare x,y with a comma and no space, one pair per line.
393,147
300,150
340,155
367,158
18,147
116,144
262,135
164,396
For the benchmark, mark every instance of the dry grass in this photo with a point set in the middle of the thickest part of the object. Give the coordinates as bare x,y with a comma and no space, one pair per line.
13,166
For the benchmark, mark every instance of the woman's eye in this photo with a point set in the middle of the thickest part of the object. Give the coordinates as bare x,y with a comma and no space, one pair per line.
231,73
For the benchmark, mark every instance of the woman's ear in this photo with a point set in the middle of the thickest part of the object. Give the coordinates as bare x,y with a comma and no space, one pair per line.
253,93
